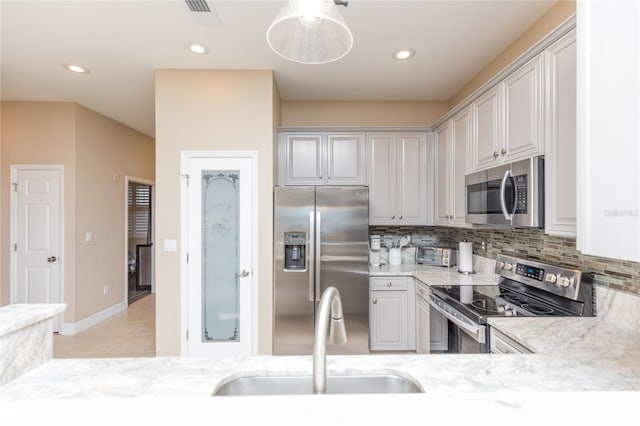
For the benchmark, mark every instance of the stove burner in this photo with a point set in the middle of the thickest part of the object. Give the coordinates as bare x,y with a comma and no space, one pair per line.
485,305
514,298
537,309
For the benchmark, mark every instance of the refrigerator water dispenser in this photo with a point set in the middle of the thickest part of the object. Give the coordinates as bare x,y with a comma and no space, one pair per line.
295,244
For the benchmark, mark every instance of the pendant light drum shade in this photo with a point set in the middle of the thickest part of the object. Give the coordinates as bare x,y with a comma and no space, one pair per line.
310,32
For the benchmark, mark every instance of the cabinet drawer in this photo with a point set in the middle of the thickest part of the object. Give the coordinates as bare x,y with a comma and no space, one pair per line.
388,283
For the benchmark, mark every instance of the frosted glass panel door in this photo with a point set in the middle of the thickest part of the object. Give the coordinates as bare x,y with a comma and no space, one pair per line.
220,292
220,205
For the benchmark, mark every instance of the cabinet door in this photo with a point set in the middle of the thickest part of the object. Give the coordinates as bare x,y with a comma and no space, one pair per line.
560,150
487,133
523,112
381,151
423,343
442,187
460,141
438,331
411,164
304,165
388,320
608,131
345,159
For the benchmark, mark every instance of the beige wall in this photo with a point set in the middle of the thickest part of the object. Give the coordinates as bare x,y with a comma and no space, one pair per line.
362,113
104,147
554,17
91,147
210,110
40,133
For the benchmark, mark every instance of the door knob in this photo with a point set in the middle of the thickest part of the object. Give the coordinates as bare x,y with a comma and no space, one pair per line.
243,274
51,259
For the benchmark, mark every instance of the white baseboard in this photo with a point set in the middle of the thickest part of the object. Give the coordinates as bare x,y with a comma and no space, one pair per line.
90,321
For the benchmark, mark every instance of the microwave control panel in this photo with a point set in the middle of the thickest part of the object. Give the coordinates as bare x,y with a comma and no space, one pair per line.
521,191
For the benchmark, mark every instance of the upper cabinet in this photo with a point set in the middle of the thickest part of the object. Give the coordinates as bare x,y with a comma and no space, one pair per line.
560,136
523,112
507,119
314,158
608,130
451,147
487,129
398,186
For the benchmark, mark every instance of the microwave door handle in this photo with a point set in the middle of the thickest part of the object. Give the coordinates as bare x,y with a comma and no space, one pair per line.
508,215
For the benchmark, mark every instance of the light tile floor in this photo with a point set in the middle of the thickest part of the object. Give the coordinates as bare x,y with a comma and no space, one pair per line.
131,333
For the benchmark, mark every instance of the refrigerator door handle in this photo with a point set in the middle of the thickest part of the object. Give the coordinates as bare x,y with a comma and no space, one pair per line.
317,254
310,256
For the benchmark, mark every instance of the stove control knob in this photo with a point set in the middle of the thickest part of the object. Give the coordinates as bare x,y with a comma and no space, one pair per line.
500,264
501,308
565,281
510,312
551,278
508,266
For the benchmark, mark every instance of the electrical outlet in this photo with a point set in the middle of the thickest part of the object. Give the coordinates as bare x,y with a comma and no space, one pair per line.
106,289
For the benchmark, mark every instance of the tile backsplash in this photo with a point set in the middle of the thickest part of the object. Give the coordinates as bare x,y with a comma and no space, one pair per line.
532,243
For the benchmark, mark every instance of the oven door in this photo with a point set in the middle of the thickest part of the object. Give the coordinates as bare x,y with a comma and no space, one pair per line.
465,336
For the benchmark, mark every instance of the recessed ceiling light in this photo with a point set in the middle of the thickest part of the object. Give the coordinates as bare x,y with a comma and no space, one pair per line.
404,54
76,68
197,48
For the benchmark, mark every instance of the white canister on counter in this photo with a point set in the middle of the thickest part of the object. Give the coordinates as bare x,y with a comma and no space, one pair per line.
395,256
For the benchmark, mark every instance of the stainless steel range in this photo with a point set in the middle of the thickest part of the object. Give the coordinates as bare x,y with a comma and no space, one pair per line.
525,288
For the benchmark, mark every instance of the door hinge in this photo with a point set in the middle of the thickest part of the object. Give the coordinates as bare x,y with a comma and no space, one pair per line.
187,257
15,246
186,177
15,186
187,334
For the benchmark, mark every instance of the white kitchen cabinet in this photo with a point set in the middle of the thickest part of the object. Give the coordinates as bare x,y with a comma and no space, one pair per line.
313,158
397,176
451,146
608,131
391,313
487,129
523,110
500,343
508,119
560,136
431,326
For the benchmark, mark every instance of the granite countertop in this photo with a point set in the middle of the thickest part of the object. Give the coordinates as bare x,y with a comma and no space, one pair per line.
98,391
435,275
17,316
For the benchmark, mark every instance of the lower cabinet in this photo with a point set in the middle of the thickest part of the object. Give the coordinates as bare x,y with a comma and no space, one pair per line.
431,326
502,344
392,314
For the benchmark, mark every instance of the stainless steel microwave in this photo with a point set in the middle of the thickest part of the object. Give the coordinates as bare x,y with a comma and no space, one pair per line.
508,195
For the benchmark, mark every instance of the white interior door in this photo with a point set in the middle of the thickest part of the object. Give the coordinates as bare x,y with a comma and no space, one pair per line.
220,270
36,225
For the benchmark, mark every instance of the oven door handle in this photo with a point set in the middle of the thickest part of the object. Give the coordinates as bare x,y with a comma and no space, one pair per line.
508,215
478,333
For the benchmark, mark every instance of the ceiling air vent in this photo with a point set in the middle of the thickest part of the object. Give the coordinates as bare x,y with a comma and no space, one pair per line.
203,13
198,5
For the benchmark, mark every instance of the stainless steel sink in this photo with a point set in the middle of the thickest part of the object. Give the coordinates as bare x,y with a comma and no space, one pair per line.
301,385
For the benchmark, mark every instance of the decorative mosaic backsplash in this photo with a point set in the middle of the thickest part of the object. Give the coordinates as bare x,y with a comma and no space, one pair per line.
532,243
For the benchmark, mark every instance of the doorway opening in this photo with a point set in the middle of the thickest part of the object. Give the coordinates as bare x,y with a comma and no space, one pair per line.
139,239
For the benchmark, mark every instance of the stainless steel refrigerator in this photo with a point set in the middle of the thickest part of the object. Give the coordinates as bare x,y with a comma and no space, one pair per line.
320,240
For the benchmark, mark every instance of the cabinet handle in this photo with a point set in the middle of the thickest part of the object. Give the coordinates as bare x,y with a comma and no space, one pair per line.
504,151
375,301
389,284
401,217
393,216
495,154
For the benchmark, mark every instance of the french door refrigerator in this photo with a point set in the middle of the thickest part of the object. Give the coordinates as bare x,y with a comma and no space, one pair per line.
320,240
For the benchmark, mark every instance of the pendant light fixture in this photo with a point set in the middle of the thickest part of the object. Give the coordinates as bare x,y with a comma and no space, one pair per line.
310,32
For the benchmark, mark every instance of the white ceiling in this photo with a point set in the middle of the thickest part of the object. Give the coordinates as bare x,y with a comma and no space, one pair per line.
123,42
